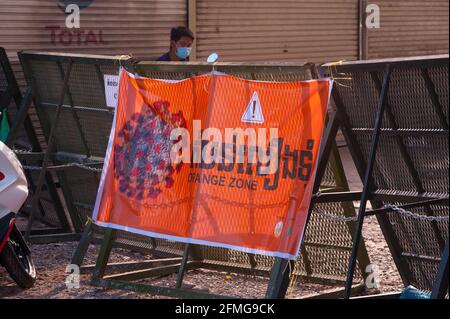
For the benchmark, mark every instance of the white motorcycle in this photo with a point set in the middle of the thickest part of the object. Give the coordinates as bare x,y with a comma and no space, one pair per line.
15,254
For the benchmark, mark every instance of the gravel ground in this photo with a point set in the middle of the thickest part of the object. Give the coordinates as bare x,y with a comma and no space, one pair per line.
51,261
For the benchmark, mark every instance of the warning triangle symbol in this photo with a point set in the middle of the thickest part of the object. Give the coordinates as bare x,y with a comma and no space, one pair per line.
253,112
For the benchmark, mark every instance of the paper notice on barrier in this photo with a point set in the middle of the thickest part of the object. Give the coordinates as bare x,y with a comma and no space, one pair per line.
111,89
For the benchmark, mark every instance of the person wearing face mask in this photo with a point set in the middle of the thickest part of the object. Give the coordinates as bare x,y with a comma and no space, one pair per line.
181,39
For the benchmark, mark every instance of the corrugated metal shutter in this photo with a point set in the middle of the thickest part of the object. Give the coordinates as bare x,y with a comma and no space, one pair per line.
140,27
110,27
284,30
410,28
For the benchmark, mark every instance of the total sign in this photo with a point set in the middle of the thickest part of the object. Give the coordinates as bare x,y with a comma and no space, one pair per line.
71,33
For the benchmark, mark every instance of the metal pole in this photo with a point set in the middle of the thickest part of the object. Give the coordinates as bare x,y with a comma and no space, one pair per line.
103,256
182,269
279,278
83,245
440,286
367,181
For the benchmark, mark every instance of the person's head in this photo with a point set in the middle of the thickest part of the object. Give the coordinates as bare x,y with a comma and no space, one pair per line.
181,39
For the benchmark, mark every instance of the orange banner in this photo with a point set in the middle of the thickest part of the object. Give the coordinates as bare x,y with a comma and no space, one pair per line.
214,160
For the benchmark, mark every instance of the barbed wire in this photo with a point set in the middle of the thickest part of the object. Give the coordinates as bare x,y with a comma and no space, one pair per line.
335,218
19,151
69,165
417,216
395,208
316,209
85,166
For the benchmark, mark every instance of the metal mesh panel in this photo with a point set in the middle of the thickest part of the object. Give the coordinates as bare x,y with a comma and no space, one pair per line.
3,83
83,127
80,188
8,87
326,263
321,239
422,244
439,76
7,80
412,156
409,93
420,269
48,218
329,179
83,131
3,76
167,75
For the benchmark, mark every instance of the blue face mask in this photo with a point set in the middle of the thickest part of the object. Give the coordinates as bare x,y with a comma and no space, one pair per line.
183,52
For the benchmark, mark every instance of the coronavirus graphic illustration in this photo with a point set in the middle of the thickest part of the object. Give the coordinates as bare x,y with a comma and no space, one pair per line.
142,163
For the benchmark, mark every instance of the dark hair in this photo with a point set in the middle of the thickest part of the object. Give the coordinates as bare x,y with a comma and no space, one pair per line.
179,32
